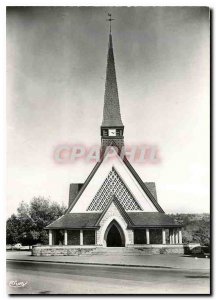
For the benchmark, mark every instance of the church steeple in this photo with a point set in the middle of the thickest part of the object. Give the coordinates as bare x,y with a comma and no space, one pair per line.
111,112
112,126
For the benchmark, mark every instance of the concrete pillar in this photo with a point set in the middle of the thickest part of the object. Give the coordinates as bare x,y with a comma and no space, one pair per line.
163,236
170,236
95,237
180,236
50,237
130,238
65,238
81,237
176,236
147,236
173,236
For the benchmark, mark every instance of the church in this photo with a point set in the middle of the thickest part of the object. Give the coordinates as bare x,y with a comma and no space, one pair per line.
114,207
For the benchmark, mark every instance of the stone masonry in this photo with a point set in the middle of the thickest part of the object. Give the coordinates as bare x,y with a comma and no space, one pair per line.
113,214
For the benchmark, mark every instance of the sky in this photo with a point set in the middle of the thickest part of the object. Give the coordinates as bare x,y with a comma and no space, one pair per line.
56,63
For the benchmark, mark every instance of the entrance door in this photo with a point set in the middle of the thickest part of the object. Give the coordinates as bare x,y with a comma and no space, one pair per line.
114,238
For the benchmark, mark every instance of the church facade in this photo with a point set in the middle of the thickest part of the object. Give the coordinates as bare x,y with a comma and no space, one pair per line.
113,207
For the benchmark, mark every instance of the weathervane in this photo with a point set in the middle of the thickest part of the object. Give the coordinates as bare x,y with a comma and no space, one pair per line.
110,20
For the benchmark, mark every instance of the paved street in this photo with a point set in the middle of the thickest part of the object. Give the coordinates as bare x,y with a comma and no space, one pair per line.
164,261
61,278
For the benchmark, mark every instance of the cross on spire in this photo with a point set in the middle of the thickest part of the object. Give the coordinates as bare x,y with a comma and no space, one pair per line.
110,20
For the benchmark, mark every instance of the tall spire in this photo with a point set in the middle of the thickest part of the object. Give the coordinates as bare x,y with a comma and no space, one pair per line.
112,129
111,111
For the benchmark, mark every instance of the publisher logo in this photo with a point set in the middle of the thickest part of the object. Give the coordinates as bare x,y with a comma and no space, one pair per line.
17,284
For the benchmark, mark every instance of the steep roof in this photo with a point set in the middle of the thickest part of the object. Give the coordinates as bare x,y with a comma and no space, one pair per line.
111,111
73,191
143,185
152,188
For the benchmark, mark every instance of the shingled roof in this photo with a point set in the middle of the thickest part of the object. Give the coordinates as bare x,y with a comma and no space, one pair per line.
133,219
151,219
152,188
143,185
75,221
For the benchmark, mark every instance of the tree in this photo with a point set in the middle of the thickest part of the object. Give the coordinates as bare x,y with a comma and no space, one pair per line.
196,228
27,227
12,230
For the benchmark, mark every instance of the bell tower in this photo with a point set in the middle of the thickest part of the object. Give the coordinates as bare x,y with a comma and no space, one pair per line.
112,128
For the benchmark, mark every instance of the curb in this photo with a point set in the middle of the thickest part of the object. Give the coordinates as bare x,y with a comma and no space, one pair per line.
101,264
89,263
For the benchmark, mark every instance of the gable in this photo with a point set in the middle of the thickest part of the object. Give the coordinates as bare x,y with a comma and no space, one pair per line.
97,178
112,213
113,185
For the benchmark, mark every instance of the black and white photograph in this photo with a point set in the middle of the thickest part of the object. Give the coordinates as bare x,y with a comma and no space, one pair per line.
108,150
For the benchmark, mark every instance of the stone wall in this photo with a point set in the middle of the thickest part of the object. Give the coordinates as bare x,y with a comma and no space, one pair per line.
95,250
61,250
130,234
160,249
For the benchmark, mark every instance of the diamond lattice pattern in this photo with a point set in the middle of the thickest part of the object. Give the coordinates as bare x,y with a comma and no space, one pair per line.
113,185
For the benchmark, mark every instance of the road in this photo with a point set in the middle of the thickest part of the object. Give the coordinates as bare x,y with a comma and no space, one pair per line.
54,278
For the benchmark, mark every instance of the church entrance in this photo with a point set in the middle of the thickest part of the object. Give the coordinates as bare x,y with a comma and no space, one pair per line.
114,236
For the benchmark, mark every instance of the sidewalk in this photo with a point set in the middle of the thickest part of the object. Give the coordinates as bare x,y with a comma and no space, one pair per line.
150,261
